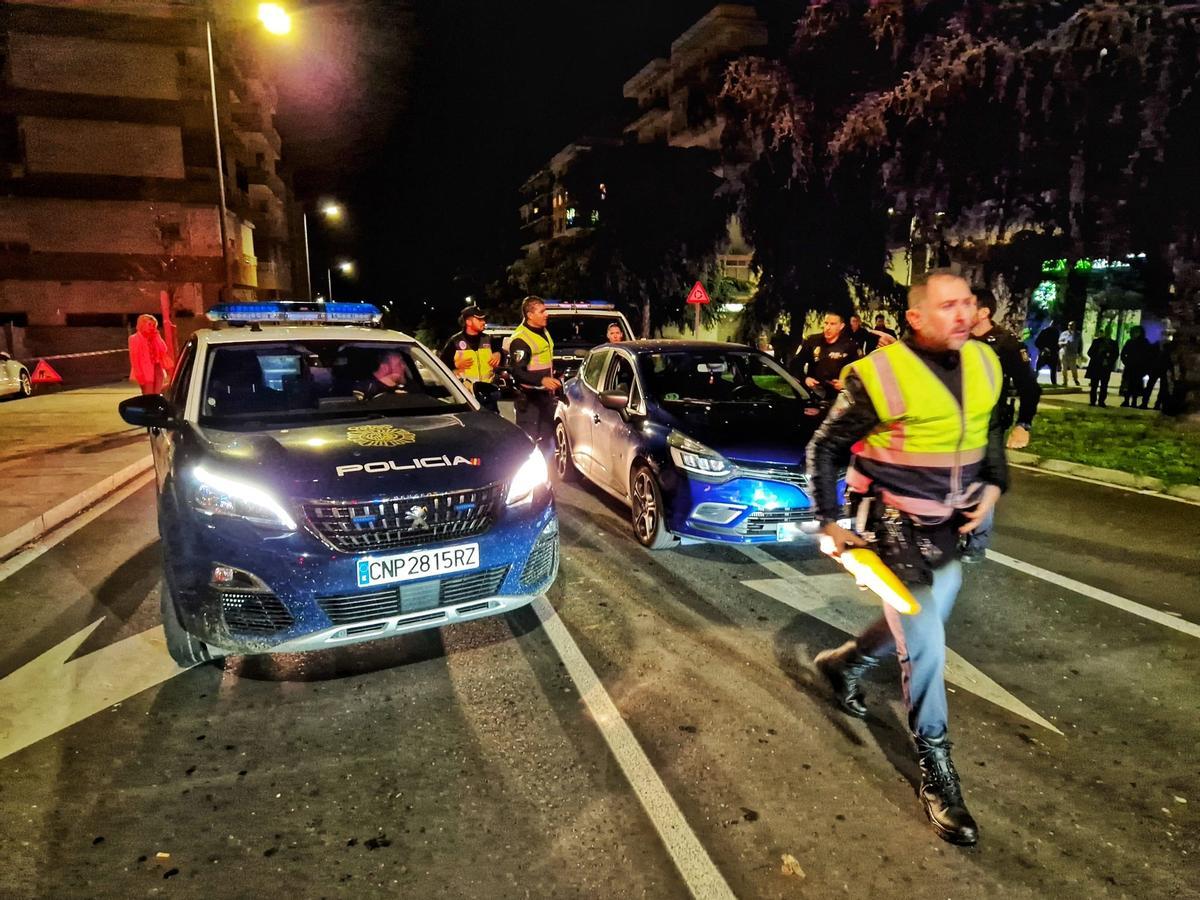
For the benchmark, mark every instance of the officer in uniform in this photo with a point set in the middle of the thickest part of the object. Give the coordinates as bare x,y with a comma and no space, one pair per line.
470,353
1019,380
929,468
822,357
531,362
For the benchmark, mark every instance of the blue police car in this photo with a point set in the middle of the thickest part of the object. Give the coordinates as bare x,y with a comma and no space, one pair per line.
323,482
702,440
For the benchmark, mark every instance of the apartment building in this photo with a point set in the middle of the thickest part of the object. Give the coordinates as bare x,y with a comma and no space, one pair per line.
109,190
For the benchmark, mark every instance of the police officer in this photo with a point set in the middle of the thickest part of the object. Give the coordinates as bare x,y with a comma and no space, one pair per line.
930,468
470,353
531,355
823,355
1019,379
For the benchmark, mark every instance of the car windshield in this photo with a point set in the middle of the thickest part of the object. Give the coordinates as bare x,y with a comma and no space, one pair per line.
323,379
714,375
581,331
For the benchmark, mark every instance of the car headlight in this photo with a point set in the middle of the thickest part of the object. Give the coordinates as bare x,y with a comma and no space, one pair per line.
216,495
532,475
696,459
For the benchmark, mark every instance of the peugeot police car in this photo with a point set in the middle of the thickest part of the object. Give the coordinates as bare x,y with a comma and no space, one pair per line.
323,482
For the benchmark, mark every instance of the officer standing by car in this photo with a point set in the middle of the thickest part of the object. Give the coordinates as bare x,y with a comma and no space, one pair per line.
531,355
470,353
823,355
930,468
1019,379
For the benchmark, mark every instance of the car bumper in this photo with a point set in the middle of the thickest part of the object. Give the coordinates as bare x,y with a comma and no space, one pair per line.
741,510
304,596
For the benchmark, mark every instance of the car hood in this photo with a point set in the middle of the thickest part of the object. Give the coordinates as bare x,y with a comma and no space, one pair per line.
755,434
374,458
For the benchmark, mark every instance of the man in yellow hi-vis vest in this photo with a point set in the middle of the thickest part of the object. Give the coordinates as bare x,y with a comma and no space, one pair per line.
920,425
470,353
531,362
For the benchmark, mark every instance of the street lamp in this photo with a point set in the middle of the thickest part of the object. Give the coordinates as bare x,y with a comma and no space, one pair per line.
346,267
332,212
273,17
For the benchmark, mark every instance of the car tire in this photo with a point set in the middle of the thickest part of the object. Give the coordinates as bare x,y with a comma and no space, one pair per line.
649,519
26,389
564,466
185,648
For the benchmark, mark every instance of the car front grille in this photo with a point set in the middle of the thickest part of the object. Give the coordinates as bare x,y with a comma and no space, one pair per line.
767,521
253,612
542,560
772,473
416,597
405,521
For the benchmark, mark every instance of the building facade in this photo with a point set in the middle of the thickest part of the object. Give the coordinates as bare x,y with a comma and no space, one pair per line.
109,190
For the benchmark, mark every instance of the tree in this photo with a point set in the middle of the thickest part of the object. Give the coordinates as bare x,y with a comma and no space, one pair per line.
658,227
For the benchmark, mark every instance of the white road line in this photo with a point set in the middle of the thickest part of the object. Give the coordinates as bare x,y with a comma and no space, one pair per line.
1114,600
1116,487
68,528
699,872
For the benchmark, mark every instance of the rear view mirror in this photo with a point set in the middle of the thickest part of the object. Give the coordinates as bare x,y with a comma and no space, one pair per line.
487,394
147,411
614,400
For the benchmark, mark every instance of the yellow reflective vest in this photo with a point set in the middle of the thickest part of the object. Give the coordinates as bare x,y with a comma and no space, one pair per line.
541,349
925,455
480,368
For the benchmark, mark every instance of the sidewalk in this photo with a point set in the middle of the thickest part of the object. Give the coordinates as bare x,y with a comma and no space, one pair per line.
60,453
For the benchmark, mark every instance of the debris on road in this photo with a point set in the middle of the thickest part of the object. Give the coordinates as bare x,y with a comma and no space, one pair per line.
791,866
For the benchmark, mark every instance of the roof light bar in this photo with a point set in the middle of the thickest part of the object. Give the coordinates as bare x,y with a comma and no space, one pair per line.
297,312
579,304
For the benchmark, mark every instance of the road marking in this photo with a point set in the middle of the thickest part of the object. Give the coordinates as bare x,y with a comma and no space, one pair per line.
824,597
1037,470
54,692
68,528
1171,620
696,867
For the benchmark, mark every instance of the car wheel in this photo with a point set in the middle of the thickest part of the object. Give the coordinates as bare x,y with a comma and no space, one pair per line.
649,517
564,467
186,649
26,384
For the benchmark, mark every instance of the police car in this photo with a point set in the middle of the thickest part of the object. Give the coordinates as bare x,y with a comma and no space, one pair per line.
323,482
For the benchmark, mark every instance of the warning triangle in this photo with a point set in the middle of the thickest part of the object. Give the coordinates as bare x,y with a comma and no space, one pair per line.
698,294
43,373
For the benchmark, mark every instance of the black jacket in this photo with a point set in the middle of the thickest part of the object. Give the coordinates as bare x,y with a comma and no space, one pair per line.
1018,373
850,420
824,361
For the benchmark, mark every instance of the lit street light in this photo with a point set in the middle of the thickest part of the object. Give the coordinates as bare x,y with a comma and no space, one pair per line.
346,267
332,212
274,18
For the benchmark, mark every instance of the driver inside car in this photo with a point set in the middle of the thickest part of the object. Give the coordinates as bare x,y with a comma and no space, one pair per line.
389,377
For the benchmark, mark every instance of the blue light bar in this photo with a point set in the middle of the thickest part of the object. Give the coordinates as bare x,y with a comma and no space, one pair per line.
297,312
579,304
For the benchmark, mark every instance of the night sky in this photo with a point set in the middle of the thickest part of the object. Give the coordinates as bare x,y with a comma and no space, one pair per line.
424,117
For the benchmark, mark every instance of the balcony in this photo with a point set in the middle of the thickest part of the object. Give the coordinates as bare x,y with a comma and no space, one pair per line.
245,270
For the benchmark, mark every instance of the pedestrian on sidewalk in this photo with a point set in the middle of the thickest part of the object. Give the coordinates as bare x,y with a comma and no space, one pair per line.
1102,359
1070,345
149,360
1156,373
1047,352
1137,356
919,424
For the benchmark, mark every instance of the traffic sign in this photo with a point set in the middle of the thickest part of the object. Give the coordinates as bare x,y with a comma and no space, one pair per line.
43,373
698,294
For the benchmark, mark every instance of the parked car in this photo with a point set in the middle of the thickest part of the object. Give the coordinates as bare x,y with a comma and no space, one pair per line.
14,377
322,483
701,440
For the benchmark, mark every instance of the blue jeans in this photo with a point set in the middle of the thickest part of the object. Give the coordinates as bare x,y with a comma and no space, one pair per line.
920,643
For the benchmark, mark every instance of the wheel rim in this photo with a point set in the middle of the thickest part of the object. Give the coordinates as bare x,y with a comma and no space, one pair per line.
26,384
562,454
645,514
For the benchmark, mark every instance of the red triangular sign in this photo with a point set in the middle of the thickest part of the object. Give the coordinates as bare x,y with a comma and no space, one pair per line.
43,373
698,294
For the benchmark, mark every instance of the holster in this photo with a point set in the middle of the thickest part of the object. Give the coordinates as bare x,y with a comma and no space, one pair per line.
903,544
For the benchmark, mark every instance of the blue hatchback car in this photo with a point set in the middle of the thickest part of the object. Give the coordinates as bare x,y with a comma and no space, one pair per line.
324,484
701,440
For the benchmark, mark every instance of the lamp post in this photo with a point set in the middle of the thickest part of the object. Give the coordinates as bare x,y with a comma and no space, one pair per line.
331,211
276,21
346,267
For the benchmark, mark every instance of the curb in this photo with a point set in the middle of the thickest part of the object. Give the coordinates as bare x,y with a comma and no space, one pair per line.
39,525
1115,477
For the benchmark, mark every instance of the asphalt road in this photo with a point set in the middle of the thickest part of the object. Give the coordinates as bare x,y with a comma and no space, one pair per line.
465,762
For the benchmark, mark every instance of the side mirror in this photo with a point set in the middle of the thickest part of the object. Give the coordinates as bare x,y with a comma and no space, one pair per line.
487,394
147,411
614,400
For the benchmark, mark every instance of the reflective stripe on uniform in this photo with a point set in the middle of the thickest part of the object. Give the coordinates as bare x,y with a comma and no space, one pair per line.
541,349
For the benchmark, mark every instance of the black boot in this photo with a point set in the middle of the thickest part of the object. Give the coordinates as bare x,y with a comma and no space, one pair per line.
843,668
941,794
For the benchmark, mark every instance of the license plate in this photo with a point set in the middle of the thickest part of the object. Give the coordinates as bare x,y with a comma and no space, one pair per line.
374,570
